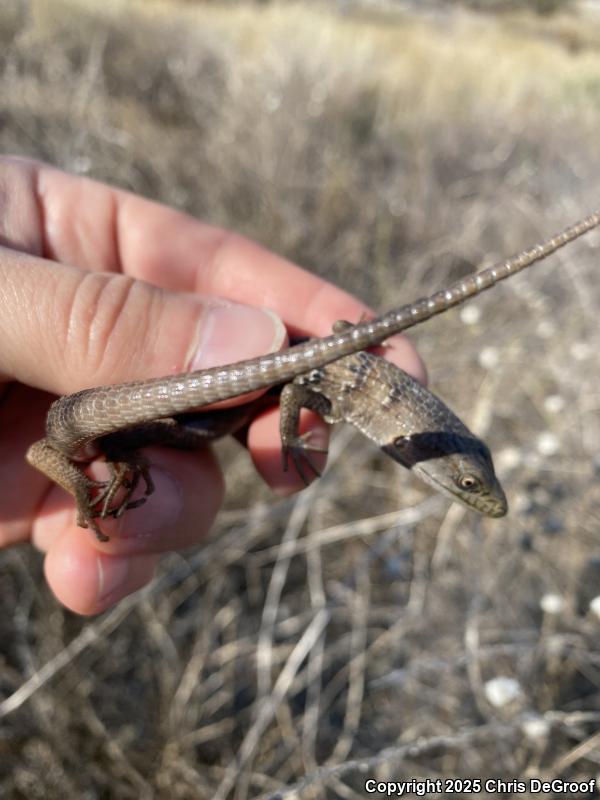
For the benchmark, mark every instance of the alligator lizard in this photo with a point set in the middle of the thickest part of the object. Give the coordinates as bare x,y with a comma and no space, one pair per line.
330,375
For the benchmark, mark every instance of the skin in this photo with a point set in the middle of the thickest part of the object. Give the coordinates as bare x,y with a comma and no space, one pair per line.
100,286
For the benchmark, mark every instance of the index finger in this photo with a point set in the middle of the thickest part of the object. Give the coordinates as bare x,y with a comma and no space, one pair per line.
94,226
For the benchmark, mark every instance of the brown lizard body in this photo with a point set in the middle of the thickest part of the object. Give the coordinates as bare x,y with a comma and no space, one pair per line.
406,420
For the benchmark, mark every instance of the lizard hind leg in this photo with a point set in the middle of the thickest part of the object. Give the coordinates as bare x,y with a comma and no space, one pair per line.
44,456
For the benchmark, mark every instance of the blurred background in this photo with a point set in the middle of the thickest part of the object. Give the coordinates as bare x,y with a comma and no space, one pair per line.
363,628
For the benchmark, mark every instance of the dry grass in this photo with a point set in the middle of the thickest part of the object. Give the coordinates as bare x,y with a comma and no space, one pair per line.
322,640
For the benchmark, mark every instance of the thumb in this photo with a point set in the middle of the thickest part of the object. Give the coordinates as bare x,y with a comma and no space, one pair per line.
63,329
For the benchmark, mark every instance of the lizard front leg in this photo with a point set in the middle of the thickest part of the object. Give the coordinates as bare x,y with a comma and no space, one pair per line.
294,397
303,393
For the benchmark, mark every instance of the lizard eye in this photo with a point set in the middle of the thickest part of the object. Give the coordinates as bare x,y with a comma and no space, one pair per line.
469,483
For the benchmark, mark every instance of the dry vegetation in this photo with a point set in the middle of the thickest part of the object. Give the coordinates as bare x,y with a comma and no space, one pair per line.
318,641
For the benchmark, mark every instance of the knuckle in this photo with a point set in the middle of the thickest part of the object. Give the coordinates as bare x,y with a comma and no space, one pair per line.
109,321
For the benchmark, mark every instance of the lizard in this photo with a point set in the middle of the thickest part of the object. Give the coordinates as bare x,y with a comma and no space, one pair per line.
333,375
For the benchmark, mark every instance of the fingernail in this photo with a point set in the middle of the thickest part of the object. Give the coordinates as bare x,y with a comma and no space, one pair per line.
121,575
160,511
113,572
232,333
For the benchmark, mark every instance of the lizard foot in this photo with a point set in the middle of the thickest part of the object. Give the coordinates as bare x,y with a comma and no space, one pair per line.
101,499
124,476
298,449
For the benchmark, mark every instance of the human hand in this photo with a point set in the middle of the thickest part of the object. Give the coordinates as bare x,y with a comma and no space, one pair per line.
98,286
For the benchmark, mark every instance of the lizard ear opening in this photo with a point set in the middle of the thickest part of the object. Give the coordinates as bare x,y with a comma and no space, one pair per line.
428,445
410,450
403,450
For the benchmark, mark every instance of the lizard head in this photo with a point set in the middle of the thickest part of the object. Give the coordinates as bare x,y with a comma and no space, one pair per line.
458,465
